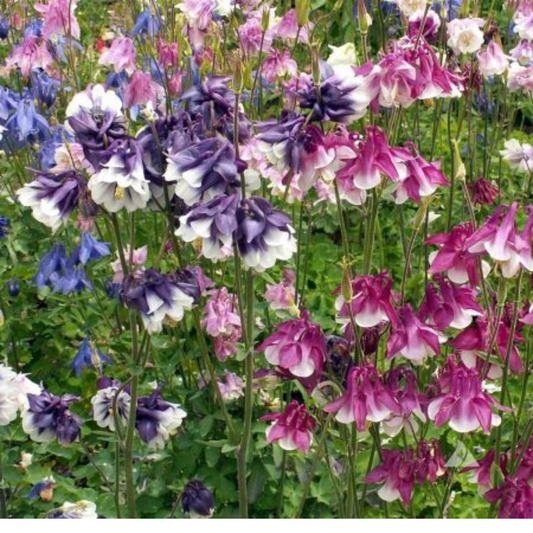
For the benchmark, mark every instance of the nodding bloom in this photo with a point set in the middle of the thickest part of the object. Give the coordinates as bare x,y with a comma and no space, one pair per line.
53,197
337,97
14,390
297,346
277,65
422,178
281,295
159,297
371,301
465,35
157,420
462,403
225,346
292,429
121,182
264,235
138,259
498,238
288,29
214,103
197,500
231,386
523,52
31,54
48,418
90,249
366,399
103,403
213,222
5,226
89,356
518,155
59,18
492,62
221,314
413,339
453,257
515,498
95,116
83,509
520,78
401,381
43,489
431,24
203,171
523,22
454,307
121,55
483,192
141,90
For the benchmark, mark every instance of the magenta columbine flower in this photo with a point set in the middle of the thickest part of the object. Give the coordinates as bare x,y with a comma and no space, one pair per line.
59,18
462,403
203,171
366,399
121,55
453,258
454,307
221,314
292,429
371,302
483,192
515,498
430,21
297,346
413,339
48,418
281,295
157,420
53,197
498,237
141,90
213,222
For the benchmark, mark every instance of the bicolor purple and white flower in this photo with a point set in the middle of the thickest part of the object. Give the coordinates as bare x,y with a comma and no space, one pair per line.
104,402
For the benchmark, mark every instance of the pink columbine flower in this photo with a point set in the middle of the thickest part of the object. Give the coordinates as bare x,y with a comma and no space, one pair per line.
453,258
483,192
499,239
465,35
431,25
492,62
138,259
422,178
221,314
297,346
225,346
141,90
515,498
168,54
463,404
481,471
287,28
518,155
371,302
59,18
520,78
292,429
523,52
278,65
366,399
121,55
281,295
523,20
413,339
455,306
231,386
31,54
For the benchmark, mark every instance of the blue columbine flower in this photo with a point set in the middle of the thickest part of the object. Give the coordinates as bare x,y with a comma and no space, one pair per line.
89,356
51,267
26,125
13,287
90,249
5,225
73,280
146,24
44,87
4,27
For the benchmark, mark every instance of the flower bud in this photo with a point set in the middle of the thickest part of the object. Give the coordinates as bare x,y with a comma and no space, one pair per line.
302,12
346,283
238,76
265,20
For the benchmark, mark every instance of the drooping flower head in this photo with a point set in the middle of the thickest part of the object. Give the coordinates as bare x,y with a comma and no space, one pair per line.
89,356
197,500
221,314
104,402
59,18
121,55
231,386
282,294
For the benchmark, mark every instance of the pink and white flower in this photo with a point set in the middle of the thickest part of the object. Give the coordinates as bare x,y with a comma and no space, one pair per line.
121,55
465,35
492,62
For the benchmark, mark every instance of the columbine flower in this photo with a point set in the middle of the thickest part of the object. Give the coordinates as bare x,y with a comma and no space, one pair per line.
292,429
523,22
43,489
157,420
59,18
518,155
141,90
263,234
48,417
82,509
371,302
523,52
483,192
221,314
277,66
14,389
431,26
89,356
463,404
197,500
121,55
138,259
515,498
103,404
282,295
214,223
31,54
413,339
297,346
465,35
90,249
492,62
159,297
365,399
231,386
121,182
53,197
203,171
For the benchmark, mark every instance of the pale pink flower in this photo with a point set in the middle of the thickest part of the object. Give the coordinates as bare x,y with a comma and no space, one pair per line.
138,259
31,54
282,294
141,90
277,65
121,55
231,386
492,62
59,18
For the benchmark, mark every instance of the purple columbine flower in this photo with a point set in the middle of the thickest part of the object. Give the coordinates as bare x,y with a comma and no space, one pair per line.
13,287
53,197
157,420
43,489
292,429
215,223
214,104
197,500
121,182
48,417
90,249
104,400
297,346
51,267
203,171
159,297
264,234
89,356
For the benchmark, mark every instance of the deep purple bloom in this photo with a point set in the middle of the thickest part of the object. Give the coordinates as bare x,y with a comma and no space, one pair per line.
197,500
49,417
515,498
483,192
89,356
13,287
